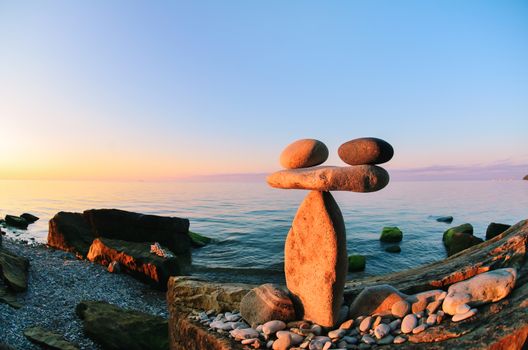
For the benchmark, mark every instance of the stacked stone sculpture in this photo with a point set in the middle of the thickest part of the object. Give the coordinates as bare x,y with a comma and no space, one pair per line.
315,254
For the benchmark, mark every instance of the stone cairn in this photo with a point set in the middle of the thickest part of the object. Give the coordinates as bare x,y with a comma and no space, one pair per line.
315,254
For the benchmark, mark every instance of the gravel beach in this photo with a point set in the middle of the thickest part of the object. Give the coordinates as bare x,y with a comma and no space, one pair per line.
58,281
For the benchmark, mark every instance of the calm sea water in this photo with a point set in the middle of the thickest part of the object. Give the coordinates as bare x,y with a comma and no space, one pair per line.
249,221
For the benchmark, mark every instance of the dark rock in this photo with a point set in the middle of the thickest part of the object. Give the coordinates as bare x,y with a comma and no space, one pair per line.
393,249
48,339
448,234
171,232
4,346
446,219
136,259
391,234
525,177
367,150
266,303
7,296
198,241
461,241
14,270
118,329
494,229
356,263
30,218
16,221
70,232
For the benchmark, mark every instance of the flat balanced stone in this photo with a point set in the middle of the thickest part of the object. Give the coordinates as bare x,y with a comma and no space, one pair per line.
315,259
361,178
366,150
303,154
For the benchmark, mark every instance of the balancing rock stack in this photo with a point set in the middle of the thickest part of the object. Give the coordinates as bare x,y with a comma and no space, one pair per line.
315,254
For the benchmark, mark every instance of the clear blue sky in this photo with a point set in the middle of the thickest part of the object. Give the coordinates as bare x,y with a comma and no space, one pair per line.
128,89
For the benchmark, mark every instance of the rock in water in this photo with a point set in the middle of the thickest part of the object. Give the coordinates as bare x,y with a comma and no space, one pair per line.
366,150
448,234
484,288
494,229
16,221
30,218
459,238
48,339
303,154
265,303
356,263
116,328
391,235
446,219
315,259
360,178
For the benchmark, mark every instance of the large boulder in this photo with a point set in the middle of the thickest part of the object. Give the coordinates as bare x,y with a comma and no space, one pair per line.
118,329
136,259
16,221
70,232
315,259
265,303
494,229
171,232
14,270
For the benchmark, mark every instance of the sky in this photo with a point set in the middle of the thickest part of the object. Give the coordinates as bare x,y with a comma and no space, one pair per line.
142,90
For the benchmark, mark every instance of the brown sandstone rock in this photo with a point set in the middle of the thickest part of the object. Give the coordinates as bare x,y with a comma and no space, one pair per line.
375,300
70,232
136,259
315,259
265,303
303,154
366,150
361,178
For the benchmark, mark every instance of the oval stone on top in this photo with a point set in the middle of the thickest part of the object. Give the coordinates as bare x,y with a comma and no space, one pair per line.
304,153
366,150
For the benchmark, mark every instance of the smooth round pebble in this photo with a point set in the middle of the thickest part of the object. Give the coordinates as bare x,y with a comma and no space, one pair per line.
399,339
395,324
431,320
366,150
409,323
400,308
303,154
462,309
273,326
460,317
337,333
386,340
365,325
420,328
382,330
347,324
368,339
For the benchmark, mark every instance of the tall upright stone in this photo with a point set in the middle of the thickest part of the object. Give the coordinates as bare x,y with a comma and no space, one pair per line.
315,259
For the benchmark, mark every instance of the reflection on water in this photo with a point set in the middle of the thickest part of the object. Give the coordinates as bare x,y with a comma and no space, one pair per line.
249,221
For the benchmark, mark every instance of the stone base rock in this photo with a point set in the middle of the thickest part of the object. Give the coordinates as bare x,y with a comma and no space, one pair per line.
315,259
118,329
136,259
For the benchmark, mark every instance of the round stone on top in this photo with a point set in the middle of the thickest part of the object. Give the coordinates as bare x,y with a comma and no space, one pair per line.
366,150
304,153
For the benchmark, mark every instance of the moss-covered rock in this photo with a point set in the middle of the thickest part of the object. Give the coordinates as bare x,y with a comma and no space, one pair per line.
461,241
448,234
48,339
119,329
198,241
356,263
391,234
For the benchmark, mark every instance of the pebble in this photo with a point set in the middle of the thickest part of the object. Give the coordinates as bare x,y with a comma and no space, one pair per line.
327,345
395,324
399,339
409,323
377,321
419,306
462,309
419,314
386,340
364,346
273,326
296,339
269,344
368,339
350,340
431,320
460,317
246,333
316,329
347,324
365,325
419,329
433,306
337,333
282,343
249,341
382,330
439,316
400,308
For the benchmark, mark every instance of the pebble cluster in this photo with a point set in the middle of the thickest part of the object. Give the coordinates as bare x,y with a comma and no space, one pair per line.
362,332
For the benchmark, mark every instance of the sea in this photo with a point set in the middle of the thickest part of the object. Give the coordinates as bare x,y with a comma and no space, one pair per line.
249,221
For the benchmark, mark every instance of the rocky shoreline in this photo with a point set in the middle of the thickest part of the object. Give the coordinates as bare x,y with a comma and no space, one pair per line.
58,282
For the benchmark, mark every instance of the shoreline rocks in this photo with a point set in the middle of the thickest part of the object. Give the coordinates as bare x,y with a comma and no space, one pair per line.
494,229
16,221
459,238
